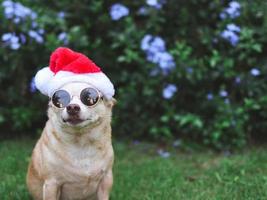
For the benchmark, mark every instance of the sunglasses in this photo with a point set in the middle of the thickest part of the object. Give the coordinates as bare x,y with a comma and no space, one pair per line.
88,96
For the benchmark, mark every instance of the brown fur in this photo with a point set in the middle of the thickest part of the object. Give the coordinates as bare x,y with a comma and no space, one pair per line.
73,162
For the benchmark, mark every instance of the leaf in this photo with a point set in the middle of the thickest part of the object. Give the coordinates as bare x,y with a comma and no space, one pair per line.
218,177
257,47
2,119
164,118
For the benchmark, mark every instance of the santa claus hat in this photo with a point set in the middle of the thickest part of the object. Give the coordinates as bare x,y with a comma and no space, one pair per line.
67,66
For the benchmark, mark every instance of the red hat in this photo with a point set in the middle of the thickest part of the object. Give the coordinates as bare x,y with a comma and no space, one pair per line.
67,66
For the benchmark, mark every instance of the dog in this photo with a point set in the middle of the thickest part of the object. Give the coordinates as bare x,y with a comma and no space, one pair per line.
74,156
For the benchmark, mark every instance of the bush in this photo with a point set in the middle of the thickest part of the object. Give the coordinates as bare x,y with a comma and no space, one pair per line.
182,69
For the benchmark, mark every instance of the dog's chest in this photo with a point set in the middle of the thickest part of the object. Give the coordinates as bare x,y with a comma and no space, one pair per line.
80,163
84,181
80,170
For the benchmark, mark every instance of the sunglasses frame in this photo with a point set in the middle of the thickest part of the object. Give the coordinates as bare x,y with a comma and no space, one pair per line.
100,97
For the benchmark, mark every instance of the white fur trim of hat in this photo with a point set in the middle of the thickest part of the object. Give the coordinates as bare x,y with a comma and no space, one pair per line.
67,66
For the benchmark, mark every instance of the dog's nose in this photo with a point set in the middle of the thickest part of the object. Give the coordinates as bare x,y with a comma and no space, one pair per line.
73,109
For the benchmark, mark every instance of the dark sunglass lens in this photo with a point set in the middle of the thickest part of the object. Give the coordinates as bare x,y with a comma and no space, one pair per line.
61,98
89,96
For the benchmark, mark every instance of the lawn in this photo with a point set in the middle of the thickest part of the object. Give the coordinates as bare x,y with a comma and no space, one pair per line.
142,174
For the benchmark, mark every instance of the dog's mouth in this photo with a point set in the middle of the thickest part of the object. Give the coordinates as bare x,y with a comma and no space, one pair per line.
73,120
77,121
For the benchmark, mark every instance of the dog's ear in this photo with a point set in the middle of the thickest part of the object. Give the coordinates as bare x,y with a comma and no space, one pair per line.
111,102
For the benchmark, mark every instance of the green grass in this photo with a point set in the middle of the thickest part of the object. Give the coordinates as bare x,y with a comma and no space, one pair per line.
139,173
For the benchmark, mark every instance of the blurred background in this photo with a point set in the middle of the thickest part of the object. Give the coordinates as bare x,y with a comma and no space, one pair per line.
191,86
183,70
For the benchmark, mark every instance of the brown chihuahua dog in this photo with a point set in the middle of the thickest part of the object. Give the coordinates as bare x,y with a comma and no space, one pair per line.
73,158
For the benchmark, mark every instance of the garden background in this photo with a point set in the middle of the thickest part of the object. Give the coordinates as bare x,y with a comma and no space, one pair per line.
189,75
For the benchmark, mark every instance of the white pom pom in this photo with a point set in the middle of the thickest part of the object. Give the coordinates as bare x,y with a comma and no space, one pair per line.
42,78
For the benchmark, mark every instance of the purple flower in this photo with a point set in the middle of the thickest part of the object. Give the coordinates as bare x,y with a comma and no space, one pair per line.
255,72
232,37
33,86
41,31
118,11
233,28
14,46
223,93
36,36
6,36
189,70
152,44
34,24
8,9
61,15
232,11
157,44
14,39
145,43
11,40
234,5
7,3
142,11
21,11
223,15
169,91
155,3
22,38
156,53
63,37
165,61
33,15
237,80
209,96
231,34
16,20
17,11
32,33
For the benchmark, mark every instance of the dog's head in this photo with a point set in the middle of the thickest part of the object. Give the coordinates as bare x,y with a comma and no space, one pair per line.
79,110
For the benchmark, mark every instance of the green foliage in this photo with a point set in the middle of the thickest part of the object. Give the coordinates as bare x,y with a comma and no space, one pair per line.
218,102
